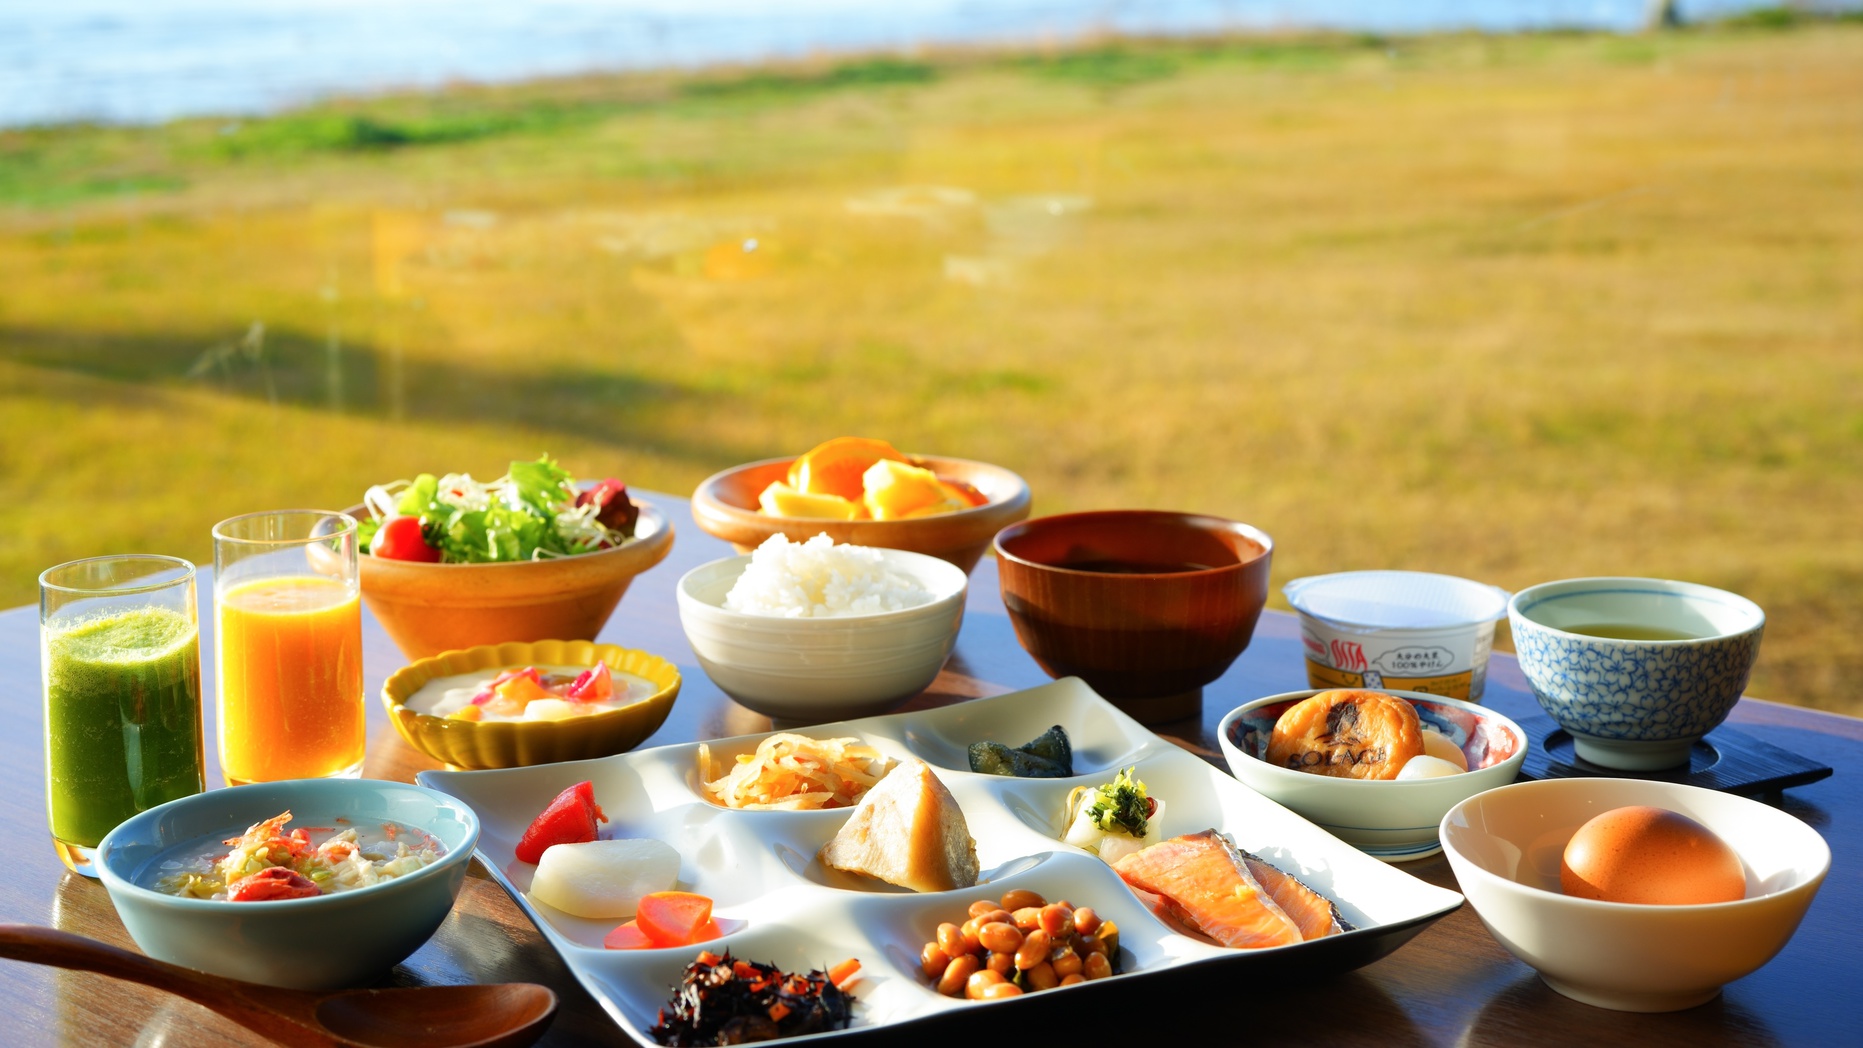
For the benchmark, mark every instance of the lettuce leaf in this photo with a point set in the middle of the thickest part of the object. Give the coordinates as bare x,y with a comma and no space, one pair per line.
497,533
418,499
542,485
503,531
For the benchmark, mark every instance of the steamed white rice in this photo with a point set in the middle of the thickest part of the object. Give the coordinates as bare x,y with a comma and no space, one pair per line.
818,579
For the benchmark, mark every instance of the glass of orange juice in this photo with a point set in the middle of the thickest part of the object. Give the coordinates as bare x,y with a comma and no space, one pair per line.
288,614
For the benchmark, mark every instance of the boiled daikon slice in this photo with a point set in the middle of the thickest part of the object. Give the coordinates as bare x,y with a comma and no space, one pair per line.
603,879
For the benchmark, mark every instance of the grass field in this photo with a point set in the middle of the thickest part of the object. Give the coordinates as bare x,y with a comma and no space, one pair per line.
1513,308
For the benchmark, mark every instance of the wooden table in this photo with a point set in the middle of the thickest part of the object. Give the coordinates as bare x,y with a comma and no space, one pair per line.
1452,985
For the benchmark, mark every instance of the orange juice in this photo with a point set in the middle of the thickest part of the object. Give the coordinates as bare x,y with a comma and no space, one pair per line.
290,680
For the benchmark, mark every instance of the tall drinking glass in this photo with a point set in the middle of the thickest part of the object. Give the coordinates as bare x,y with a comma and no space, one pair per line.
119,651
288,614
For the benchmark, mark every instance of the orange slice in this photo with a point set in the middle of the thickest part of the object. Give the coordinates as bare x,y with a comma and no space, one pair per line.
835,468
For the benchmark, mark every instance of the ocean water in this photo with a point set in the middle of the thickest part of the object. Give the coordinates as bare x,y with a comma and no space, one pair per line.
140,61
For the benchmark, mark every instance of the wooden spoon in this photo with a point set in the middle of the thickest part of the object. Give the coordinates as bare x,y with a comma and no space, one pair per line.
502,1015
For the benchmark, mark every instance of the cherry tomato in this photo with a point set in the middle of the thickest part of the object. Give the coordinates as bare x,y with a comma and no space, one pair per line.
399,538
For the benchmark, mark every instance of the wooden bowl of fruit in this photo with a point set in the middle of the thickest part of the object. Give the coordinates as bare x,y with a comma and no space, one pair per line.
866,493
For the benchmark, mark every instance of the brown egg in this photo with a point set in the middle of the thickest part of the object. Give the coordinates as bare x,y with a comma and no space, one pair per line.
1650,855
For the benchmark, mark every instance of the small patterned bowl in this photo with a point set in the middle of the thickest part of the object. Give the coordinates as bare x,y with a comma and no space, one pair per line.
1674,660
1398,820
512,744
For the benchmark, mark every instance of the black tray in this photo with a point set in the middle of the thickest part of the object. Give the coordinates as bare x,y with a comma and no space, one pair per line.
1726,759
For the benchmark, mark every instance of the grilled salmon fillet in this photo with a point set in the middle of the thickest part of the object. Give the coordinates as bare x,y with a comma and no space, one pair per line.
1205,881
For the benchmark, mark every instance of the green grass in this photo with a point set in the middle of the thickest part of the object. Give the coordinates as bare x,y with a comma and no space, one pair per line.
1517,308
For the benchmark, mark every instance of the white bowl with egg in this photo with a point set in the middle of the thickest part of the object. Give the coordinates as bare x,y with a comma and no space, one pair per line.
865,659
1395,820
1505,847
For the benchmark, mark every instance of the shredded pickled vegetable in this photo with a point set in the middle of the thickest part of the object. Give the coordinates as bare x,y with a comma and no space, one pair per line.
791,772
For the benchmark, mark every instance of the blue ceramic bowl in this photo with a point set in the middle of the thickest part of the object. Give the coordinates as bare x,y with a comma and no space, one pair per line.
308,944
1638,700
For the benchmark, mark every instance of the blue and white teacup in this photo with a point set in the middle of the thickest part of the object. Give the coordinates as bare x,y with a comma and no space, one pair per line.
1636,670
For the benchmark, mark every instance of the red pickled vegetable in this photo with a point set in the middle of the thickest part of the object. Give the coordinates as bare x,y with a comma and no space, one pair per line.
570,819
272,883
674,918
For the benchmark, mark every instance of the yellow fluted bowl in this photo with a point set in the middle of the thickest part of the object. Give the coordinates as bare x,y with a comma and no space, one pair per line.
511,744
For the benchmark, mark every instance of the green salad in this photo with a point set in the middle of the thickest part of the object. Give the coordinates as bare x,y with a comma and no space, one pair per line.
533,512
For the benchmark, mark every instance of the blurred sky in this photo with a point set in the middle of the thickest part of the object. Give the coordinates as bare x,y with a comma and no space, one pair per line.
153,60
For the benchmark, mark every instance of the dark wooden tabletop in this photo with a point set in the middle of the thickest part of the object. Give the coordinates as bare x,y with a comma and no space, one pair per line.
1452,985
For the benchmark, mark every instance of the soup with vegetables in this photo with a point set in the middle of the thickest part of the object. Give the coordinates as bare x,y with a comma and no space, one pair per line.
267,863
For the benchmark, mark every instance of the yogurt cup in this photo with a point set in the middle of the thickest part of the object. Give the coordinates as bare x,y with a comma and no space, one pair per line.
1400,630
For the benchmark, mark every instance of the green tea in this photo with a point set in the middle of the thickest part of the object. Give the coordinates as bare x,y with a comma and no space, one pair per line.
1629,631
122,719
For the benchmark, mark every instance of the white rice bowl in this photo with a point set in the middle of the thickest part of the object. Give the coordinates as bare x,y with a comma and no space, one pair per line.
819,579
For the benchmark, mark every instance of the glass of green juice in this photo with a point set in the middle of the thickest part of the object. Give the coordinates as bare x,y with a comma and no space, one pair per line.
119,650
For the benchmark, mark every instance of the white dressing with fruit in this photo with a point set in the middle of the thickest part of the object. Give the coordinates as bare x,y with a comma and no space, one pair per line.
530,693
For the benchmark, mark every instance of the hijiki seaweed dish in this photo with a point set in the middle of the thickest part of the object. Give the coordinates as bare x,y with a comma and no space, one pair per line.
722,1000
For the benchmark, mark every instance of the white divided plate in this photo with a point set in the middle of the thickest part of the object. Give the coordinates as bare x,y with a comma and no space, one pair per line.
760,868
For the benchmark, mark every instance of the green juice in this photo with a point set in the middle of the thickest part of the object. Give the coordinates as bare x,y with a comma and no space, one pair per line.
122,719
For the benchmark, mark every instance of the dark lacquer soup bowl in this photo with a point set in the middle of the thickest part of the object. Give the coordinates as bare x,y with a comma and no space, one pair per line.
1146,606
